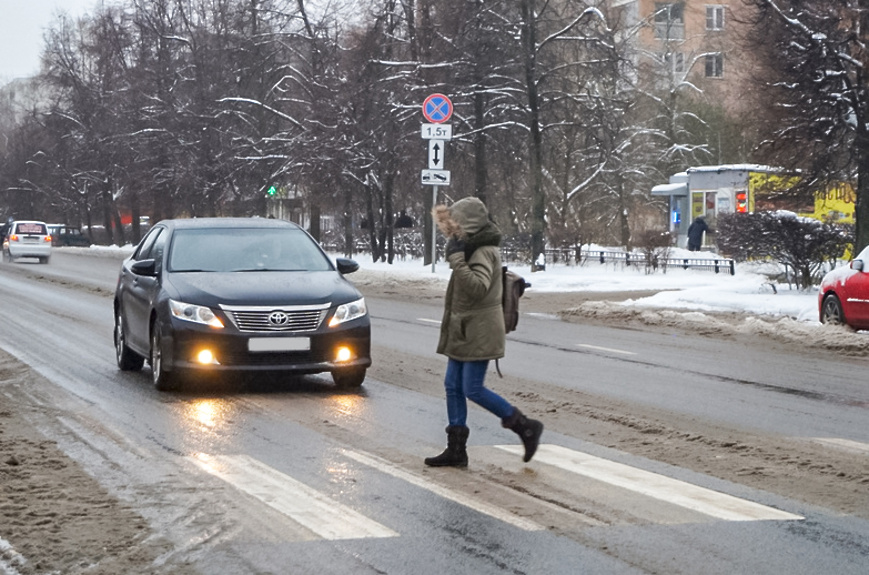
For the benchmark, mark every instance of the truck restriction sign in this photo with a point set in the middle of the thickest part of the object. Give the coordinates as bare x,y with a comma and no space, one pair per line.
435,177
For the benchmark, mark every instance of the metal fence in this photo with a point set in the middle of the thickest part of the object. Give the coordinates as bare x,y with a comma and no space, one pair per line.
655,261
580,256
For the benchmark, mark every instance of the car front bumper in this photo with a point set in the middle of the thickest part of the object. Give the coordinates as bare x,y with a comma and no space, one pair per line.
230,351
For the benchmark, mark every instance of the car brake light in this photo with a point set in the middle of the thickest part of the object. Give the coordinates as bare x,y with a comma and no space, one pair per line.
13,238
48,238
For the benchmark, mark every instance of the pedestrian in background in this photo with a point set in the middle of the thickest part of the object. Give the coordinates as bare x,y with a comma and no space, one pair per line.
695,233
472,330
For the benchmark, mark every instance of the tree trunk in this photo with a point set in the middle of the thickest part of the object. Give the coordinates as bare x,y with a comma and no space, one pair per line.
372,225
106,197
861,205
479,148
428,223
315,222
348,223
136,225
388,227
538,197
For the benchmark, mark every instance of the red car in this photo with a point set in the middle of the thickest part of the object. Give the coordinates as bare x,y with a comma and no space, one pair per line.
843,297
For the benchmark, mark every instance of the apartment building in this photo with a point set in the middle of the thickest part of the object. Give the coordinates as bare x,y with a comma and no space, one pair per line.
695,41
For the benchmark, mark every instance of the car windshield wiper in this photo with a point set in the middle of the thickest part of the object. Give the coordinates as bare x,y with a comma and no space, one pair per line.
192,271
269,270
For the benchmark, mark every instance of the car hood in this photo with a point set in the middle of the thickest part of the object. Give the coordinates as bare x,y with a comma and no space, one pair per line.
260,288
837,277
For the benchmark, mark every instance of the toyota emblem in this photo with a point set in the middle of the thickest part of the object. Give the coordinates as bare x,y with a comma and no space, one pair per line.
278,318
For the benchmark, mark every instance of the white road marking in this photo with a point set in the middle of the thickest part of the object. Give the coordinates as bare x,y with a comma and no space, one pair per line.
609,349
700,499
426,320
308,507
844,443
479,506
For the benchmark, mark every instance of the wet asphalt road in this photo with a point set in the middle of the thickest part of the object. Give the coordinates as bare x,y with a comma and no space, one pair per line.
290,475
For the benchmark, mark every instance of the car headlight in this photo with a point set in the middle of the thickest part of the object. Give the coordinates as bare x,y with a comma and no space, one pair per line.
348,311
194,313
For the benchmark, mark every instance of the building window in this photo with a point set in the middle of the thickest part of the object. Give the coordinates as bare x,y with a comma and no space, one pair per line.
714,65
715,17
675,62
670,20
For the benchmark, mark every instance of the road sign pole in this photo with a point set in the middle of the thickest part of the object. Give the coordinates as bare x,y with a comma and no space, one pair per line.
434,228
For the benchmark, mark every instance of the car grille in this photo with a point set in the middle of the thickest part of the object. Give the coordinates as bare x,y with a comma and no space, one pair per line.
292,319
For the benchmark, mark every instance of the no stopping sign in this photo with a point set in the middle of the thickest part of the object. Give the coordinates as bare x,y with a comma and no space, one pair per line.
437,108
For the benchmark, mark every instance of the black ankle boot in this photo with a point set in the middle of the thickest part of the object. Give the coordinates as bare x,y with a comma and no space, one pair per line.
529,431
455,455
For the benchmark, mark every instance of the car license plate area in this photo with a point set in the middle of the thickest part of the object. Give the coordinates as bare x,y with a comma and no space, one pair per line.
278,344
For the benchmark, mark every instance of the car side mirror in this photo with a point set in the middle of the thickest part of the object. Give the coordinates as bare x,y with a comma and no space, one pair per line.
346,266
857,265
145,268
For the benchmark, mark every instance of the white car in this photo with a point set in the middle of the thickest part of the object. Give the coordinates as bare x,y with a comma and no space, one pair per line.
27,239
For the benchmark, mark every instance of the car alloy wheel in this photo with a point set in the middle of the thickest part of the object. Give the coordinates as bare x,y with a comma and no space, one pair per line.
163,380
832,311
128,360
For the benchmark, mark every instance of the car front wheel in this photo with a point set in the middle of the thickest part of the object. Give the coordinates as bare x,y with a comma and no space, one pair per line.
831,311
128,360
349,377
163,380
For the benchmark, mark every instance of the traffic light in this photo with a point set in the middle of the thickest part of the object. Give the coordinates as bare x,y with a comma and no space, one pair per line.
272,192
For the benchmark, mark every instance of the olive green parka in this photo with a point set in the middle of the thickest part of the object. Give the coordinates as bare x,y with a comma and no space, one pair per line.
472,328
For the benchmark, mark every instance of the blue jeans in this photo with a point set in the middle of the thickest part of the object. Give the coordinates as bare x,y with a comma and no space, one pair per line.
465,380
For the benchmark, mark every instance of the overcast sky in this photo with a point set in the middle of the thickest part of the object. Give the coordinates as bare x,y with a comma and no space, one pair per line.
22,23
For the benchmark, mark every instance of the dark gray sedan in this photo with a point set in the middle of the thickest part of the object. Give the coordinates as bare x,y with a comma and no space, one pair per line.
213,295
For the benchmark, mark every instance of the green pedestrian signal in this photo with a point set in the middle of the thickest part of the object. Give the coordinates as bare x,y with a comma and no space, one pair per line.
272,192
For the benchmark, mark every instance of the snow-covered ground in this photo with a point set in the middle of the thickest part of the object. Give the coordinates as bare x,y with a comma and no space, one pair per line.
756,301
750,290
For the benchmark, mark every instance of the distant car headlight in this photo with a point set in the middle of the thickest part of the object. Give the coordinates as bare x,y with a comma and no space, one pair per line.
194,313
348,311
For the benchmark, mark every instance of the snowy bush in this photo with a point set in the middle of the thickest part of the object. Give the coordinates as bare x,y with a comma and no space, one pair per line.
804,245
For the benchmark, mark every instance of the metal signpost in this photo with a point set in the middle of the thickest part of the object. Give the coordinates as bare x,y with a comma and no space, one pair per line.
437,109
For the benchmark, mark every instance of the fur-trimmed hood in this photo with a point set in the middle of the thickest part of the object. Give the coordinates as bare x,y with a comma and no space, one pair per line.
468,219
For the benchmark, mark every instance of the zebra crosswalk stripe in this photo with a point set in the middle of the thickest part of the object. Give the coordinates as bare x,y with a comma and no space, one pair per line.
689,496
304,505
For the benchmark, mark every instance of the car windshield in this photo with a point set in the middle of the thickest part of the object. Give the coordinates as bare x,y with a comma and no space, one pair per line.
244,250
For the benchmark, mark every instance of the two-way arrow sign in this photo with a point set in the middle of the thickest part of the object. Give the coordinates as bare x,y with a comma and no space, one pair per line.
436,151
